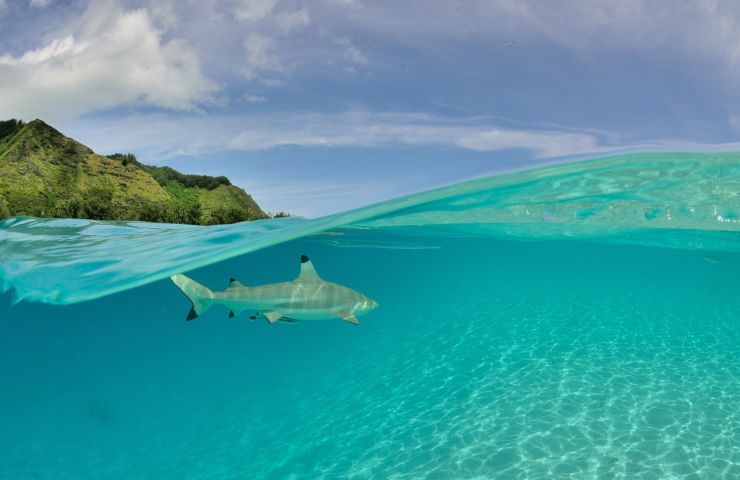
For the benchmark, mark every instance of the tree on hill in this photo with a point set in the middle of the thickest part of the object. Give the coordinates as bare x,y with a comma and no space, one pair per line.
165,175
280,214
125,158
10,127
4,210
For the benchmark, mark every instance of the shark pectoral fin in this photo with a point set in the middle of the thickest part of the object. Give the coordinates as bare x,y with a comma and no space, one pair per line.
348,317
273,317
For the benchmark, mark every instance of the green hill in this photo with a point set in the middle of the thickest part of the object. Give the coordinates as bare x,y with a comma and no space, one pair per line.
45,174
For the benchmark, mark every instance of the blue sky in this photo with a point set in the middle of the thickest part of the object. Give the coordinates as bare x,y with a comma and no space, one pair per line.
316,107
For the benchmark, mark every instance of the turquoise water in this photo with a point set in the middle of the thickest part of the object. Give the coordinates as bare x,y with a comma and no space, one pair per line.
576,321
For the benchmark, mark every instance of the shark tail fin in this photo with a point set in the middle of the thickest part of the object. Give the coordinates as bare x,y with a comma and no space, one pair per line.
201,297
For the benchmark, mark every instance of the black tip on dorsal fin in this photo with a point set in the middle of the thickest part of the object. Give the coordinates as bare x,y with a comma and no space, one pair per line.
304,258
232,280
191,314
231,314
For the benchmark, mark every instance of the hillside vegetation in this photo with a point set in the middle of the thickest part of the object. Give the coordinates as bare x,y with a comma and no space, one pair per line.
45,174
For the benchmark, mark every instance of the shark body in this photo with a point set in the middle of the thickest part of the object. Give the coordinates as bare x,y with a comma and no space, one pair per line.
308,297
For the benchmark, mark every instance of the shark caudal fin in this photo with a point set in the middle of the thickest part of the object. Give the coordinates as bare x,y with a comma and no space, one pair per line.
201,297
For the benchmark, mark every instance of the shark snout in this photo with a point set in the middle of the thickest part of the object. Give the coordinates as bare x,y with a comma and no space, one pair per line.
365,305
370,305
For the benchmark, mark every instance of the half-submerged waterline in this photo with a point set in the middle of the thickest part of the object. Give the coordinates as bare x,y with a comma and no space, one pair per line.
578,321
679,200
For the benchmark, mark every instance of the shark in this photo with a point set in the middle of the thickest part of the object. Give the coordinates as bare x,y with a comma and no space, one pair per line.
307,297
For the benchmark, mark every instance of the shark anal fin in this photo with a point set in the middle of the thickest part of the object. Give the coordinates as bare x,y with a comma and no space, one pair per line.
348,317
273,317
231,314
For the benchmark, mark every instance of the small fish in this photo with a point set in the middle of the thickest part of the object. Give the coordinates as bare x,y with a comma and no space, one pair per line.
308,297
712,259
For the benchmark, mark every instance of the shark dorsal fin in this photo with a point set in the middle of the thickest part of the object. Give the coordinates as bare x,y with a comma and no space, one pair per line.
308,273
234,283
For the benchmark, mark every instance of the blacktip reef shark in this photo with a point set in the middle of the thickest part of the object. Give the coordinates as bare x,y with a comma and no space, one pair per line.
308,297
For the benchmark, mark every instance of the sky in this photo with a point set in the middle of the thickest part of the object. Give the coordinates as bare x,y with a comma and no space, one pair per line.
321,106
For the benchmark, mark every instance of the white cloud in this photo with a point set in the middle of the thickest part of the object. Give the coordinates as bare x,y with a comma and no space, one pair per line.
40,3
349,51
287,21
693,34
158,56
254,10
260,56
733,119
265,13
115,58
542,143
57,48
268,43
697,33
164,14
162,136
254,98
